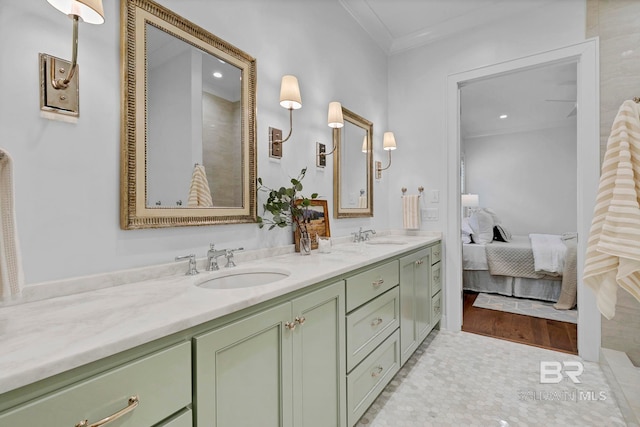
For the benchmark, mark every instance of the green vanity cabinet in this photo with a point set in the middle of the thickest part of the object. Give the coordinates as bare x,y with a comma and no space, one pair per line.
283,366
161,382
415,301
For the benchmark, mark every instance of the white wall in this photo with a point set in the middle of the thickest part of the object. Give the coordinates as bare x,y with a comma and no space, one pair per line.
418,98
529,179
67,175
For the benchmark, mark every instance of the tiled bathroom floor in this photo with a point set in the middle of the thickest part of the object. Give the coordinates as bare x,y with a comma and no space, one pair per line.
463,379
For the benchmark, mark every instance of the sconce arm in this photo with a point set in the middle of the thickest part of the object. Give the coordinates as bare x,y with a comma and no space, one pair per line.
290,127
389,165
64,83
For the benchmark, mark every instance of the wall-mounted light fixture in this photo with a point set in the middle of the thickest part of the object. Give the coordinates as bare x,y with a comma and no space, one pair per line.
59,90
365,146
335,121
289,99
388,144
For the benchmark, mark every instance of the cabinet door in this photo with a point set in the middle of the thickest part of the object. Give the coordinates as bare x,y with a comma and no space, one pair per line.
319,371
243,372
415,301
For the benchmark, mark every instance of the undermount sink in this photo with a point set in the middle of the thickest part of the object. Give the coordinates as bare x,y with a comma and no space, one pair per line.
383,241
243,278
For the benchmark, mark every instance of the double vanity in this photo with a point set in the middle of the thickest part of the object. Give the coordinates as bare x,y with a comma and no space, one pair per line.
286,340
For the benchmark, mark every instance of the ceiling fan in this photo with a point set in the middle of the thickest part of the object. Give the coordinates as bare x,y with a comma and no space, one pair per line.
573,112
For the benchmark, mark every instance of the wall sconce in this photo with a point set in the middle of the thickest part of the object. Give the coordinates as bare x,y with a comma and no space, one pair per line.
59,90
289,99
388,144
365,146
335,121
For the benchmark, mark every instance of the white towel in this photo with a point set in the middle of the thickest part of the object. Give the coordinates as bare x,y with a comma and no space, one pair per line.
613,248
548,252
411,212
199,193
11,274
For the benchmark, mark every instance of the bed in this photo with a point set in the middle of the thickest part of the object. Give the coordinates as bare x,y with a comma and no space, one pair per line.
511,269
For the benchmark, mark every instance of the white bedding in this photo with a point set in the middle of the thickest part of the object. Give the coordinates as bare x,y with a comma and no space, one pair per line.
548,252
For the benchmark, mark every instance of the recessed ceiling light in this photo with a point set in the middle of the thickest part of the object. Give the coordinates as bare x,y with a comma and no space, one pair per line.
217,75
503,116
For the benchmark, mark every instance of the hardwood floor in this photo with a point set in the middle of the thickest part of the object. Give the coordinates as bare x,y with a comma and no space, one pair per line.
545,333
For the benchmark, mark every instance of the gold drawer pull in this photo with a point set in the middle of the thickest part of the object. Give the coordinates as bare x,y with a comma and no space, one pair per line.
376,371
436,254
436,276
300,320
419,262
377,283
290,325
132,404
376,322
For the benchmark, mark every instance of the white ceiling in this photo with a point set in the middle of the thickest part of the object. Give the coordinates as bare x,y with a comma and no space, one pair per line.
400,25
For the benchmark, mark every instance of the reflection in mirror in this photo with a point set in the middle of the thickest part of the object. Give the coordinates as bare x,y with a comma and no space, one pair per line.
353,164
184,82
189,154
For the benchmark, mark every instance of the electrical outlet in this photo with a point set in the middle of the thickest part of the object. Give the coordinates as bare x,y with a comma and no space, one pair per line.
423,213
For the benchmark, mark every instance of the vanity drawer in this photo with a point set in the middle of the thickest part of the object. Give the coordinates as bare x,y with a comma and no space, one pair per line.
183,419
436,278
371,283
436,308
369,325
369,378
161,381
436,253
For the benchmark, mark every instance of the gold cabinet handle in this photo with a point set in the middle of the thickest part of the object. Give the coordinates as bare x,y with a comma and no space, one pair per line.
377,283
419,262
376,371
436,254
290,325
300,320
376,322
131,405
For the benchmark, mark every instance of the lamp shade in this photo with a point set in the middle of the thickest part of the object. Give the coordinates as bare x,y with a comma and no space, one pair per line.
90,11
365,146
389,141
470,200
335,119
290,93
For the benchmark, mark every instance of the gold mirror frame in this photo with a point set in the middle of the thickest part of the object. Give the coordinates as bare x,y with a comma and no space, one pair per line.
338,210
134,212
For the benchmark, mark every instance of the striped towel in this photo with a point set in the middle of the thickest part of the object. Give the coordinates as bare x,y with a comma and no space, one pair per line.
199,193
11,274
613,248
411,212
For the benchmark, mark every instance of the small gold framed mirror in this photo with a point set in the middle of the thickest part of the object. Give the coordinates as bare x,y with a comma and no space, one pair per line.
353,167
188,152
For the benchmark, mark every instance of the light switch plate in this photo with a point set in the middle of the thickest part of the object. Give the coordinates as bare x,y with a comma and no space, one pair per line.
435,196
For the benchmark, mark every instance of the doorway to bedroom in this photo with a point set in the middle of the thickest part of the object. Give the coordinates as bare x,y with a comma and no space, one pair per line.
518,175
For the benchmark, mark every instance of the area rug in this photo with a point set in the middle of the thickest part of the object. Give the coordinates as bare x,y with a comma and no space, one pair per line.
525,306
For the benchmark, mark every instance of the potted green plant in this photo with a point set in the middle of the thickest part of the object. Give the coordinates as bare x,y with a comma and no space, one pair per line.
287,207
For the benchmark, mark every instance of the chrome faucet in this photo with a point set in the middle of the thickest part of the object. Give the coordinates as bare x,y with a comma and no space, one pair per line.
362,235
213,254
192,264
212,257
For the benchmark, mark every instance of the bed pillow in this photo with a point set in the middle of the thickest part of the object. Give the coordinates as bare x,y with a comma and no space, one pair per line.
466,231
494,215
481,223
501,234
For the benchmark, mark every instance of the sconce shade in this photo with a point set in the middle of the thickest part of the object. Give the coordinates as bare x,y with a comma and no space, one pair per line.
469,200
90,11
365,146
389,141
290,93
335,119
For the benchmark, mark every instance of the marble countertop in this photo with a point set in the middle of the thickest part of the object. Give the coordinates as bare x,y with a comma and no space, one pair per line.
44,338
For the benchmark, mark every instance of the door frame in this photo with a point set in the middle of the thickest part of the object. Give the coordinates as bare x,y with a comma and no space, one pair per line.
586,55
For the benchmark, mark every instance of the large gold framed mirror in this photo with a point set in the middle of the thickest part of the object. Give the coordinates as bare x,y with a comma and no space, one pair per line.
188,123
353,167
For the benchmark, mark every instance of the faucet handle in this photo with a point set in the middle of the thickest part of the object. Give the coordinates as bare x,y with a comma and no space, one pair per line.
212,246
192,264
229,255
